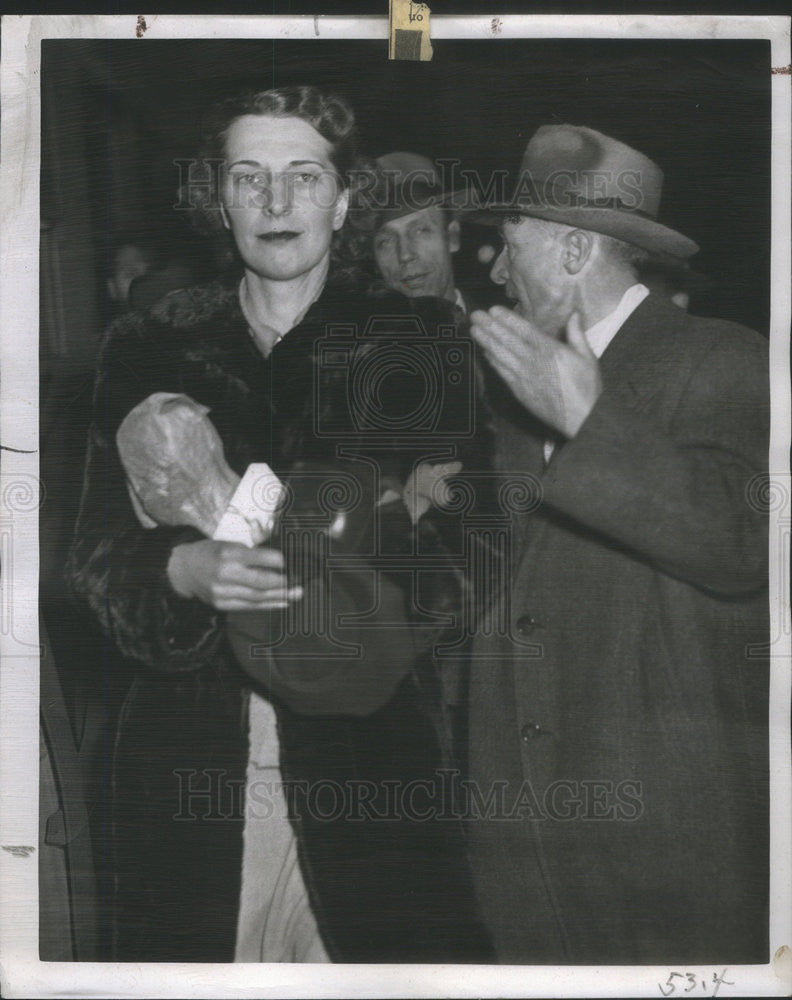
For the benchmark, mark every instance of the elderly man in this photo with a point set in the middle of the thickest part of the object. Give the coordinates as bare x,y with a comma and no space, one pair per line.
618,742
415,236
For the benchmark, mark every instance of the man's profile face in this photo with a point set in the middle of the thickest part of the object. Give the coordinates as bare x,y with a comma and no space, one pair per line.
530,268
413,253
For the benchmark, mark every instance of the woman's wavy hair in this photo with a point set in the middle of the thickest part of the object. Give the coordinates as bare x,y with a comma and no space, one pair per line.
333,119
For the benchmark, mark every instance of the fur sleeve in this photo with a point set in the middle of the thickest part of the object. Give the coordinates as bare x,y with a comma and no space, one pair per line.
115,565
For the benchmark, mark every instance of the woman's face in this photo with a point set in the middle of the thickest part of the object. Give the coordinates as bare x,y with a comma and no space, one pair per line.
281,197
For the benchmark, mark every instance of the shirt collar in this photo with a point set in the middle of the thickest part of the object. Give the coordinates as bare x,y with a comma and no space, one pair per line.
602,333
459,301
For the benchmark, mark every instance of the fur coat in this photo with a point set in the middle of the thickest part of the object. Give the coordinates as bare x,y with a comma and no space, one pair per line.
392,890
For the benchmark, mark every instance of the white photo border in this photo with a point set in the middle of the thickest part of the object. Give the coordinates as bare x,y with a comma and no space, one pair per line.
22,972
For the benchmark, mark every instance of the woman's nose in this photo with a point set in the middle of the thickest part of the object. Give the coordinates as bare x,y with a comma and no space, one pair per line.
280,195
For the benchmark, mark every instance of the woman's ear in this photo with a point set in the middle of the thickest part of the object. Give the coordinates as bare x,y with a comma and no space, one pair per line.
341,209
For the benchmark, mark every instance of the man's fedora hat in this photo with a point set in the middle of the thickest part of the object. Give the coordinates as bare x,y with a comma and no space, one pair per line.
406,183
582,178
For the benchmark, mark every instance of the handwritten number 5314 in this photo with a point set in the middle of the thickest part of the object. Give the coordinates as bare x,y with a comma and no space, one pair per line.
670,985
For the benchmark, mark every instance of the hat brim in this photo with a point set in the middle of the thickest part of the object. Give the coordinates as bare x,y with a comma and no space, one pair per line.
390,214
629,227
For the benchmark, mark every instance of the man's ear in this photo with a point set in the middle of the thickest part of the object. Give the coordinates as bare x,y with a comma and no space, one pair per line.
577,249
454,236
224,216
341,208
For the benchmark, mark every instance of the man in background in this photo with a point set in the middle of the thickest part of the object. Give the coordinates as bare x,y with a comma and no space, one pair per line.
130,258
415,237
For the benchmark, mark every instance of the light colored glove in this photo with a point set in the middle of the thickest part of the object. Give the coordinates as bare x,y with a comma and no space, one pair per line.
175,464
426,486
177,474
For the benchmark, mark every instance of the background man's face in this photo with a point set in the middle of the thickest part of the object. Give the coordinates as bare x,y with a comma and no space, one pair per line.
130,262
414,253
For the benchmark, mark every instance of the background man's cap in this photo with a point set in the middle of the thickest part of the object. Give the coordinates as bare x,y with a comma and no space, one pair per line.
582,178
406,183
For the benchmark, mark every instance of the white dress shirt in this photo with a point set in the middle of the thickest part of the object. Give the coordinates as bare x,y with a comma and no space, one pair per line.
602,333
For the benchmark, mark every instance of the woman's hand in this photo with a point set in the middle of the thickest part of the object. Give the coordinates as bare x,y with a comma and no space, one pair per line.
427,486
231,577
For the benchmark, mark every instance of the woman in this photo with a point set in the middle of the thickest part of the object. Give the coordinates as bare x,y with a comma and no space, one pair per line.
379,890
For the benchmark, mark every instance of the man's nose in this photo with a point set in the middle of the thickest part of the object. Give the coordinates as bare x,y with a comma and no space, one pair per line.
405,249
500,269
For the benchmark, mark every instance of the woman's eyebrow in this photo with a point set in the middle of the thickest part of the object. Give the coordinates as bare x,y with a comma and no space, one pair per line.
292,163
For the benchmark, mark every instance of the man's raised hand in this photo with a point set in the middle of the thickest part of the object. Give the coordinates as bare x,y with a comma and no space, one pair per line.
558,382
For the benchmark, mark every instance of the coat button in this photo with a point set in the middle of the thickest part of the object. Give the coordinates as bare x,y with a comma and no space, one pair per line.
527,625
531,731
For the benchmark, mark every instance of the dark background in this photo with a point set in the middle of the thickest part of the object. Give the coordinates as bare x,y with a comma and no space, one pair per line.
116,114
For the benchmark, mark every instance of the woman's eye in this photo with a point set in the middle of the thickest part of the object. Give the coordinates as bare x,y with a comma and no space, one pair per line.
249,180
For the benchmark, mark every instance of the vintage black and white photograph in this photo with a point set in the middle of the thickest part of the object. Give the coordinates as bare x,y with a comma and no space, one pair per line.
399,448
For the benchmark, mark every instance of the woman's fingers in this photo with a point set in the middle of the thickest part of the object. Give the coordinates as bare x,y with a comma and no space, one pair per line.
239,605
274,595
262,557
230,576
251,577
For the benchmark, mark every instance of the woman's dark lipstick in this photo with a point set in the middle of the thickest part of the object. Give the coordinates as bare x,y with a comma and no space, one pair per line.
279,235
